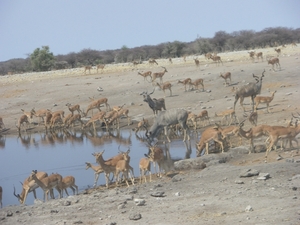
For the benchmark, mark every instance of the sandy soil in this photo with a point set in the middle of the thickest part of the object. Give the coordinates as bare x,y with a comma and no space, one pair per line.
215,194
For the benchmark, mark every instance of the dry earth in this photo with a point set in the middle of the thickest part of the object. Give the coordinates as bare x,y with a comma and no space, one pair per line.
191,194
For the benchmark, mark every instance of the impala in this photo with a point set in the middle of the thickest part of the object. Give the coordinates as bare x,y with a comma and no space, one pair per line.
264,99
100,66
165,86
225,77
28,114
74,108
29,186
274,61
96,104
68,182
146,75
1,123
144,166
87,68
156,156
40,114
21,122
216,59
197,62
159,75
198,82
228,113
187,81
124,167
210,134
47,183
97,169
142,124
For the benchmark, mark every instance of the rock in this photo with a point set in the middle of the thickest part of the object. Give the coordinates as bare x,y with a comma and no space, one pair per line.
249,173
158,194
248,209
186,164
139,202
263,176
239,182
136,216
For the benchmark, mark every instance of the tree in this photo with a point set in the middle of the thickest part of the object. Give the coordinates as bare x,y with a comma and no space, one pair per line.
42,59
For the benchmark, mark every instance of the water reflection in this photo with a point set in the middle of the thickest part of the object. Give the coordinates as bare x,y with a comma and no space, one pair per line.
66,151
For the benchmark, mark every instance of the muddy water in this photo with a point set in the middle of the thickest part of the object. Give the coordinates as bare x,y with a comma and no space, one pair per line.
66,153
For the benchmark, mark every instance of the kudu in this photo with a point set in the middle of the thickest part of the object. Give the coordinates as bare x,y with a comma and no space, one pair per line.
249,90
165,119
154,104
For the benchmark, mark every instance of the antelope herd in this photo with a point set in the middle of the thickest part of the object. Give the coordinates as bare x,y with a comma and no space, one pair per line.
220,133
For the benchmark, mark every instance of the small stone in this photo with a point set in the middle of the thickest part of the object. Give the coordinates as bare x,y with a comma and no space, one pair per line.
239,182
248,208
158,194
177,194
136,216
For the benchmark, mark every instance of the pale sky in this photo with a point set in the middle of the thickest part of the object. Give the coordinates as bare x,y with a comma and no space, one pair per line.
73,25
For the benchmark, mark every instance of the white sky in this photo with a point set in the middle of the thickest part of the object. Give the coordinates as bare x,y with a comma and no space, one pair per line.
72,25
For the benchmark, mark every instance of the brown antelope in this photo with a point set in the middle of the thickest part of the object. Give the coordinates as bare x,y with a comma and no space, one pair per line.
264,99
74,108
198,82
1,123
97,169
259,55
28,114
152,61
97,117
146,75
21,122
56,120
207,56
40,114
197,62
228,113
165,86
278,50
142,124
124,167
274,61
225,77
96,104
294,44
203,115
252,54
253,118
87,68
156,156
159,75
144,166
187,81
211,133
216,59
123,112
75,118
67,182
100,66
47,183
170,61
29,186
192,117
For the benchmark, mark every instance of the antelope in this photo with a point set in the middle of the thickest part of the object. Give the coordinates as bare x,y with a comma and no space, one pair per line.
74,108
187,81
294,44
66,119
225,77
146,75
165,86
170,61
28,114
29,186
55,120
1,192
167,118
96,104
184,58
253,118
264,99
208,56
100,66
97,169
87,68
259,55
252,54
192,117
1,123
99,116
144,166
203,115
249,90
40,114
112,117
47,183
197,62
121,111
47,120
209,134
124,167
274,61
228,113
152,61
156,156
229,131
159,75
60,113
75,118
278,50
216,59
23,119
67,182
141,124
155,104
198,82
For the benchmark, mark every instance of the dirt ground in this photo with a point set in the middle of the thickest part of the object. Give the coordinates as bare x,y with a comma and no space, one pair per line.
211,195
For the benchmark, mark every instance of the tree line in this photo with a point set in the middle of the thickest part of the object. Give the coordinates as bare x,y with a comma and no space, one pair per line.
43,60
